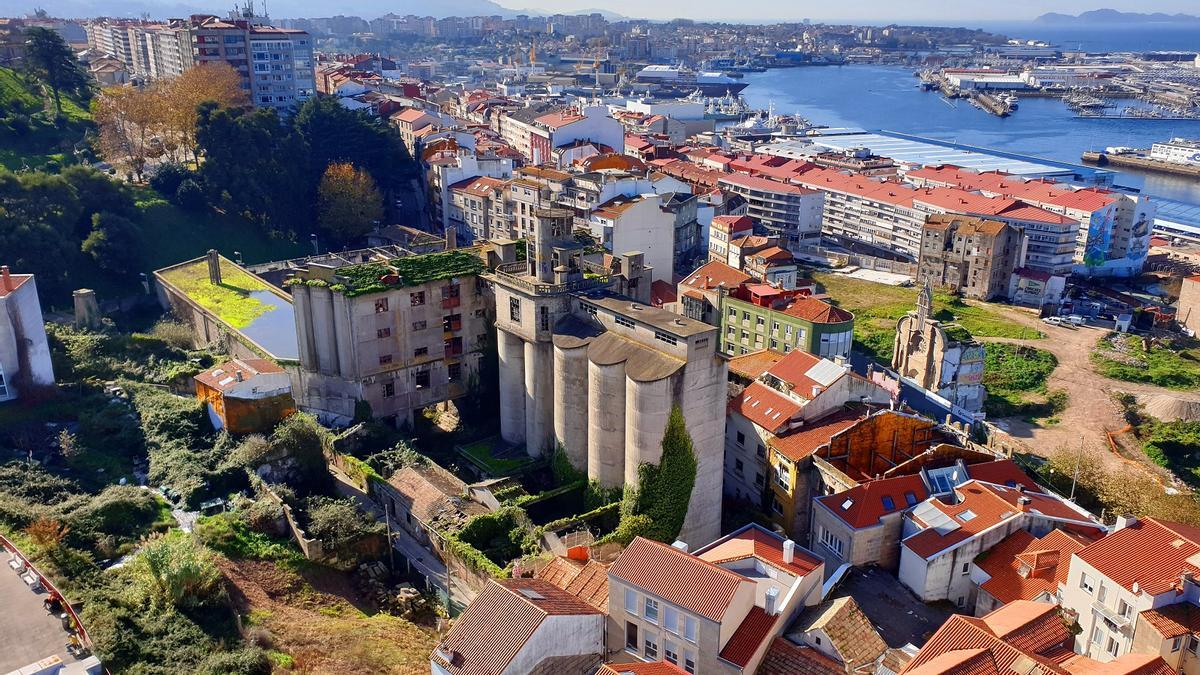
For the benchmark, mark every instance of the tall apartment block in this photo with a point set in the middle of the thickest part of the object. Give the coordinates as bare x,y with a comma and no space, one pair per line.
598,374
275,64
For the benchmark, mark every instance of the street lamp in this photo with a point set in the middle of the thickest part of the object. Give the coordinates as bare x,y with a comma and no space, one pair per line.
313,238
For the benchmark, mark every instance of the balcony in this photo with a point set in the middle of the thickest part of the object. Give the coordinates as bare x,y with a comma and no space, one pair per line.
1114,621
517,275
451,303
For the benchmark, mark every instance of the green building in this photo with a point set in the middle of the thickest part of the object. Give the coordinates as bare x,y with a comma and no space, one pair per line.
758,316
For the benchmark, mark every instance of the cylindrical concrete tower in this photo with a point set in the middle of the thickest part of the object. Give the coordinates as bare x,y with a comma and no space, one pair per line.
512,386
647,407
324,330
606,423
539,397
302,303
571,402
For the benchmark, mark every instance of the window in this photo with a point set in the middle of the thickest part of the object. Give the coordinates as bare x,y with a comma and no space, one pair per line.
670,654
758,479
670,619
418,325
966,569
831,541
664,337
689,663
888,503
416,299
776,507
381,305
651,612
631,602
1102,593
1087,583
689,629
3,385
454,372
383,333
651,650
960,601
737,466
741,438
389,389
422,378
385,359
1177,644
910,498
623,321
631,636
1193,645
544,318
420,351
762,452
514,310
1124,609
783,476
1097,635
1112,647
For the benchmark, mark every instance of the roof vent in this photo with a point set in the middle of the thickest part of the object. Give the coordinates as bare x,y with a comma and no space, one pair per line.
789,551
531,594
681,545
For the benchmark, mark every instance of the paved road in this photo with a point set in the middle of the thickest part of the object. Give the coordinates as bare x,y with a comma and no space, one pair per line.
27,632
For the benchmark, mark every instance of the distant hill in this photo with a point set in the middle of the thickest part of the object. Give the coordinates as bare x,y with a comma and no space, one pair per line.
1112,16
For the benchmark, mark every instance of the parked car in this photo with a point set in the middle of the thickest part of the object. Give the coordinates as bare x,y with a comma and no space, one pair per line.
1076,320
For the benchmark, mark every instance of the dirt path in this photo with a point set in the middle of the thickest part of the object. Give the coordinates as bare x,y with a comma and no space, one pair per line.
1092,410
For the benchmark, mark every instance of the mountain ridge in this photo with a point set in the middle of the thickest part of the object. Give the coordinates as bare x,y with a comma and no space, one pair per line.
1112,16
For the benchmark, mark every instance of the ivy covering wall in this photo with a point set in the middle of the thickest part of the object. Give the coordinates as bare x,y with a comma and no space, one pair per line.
656,507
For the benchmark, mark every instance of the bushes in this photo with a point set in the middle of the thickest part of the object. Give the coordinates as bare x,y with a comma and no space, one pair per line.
501,536
339,524
166,179
190,196
664,490
248,661
175,570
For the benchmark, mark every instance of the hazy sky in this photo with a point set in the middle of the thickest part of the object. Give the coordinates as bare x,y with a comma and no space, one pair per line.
875,11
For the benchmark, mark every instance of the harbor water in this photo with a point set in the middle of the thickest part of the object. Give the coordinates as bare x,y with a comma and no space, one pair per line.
887,98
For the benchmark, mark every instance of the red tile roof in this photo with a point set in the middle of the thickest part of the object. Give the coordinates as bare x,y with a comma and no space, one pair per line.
811,437
794,369
765,407
753,541
680,578
480,186
732,224
786,658
223,376
494,628
662,292
712,274
1170,621
409,115
816,311
754,364
764,184
556,120
749,636
1045,563
652,668
991,505
1151,553
1129,664
1032,630
591,585
1002,472
864,504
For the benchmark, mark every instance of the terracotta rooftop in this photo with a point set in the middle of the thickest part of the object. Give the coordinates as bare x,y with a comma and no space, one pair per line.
1023,567
812,436
1018,631
1182,618
754,364
848,628
11,282
1151,553
817,311
766,407
863,505
224,376
682,579
652,668
752,541
712,274
764,184
494,628
787,658
749,636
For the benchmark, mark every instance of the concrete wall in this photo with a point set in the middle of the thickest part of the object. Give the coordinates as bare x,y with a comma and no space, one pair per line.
606,424
559,635
571,403
24,352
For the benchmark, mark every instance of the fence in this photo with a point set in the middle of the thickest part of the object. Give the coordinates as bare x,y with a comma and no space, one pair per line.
84,638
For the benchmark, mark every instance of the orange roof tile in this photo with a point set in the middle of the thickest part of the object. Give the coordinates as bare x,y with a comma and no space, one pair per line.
652,668
591,585
1151,553
494,628
816,311
712,274
752,541
765,407
223,376
742,180
680,578
1019,629
863,505
813,436
794,369
1022,567
1170,621
754,364
749,636
786,658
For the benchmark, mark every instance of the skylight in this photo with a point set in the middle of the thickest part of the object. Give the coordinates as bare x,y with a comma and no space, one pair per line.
966,515
531,594
889,503
847,504
910,498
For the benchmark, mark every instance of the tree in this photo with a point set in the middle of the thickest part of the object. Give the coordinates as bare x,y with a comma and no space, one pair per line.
50,59
68,444
349,204
338,523
97,193
190,196
38,214
114,243
215,83
129,120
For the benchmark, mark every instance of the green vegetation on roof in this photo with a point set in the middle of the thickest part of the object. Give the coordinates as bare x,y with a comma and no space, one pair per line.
230,300
413,271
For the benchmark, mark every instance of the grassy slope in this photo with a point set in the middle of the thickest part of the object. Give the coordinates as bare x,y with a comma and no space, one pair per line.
1174,366
877,307
44,142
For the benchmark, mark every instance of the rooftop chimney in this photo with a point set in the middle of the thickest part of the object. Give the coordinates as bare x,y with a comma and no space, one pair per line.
214,267
240,377
681,545
5,279
1124,521
789,551
1024,501
771,600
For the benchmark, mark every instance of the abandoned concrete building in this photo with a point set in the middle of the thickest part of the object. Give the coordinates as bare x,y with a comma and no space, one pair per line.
942,359
399,336
598,374
24,352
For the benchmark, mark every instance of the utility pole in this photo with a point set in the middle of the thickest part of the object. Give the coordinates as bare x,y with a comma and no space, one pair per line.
387,521
1078,460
